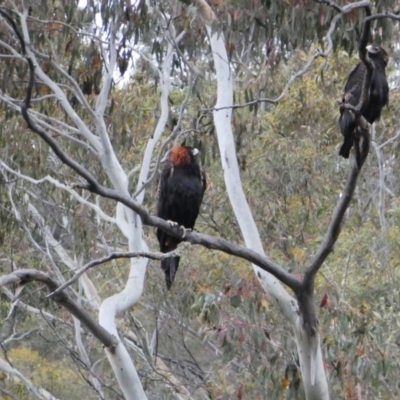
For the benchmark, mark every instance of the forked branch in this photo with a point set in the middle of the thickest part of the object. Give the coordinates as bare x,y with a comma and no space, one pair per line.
95,187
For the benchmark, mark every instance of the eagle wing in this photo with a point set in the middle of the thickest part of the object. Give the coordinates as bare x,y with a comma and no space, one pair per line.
180,192
162,191
203,179
353,88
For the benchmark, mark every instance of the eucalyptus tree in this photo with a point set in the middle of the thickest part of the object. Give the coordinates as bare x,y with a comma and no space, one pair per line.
69,185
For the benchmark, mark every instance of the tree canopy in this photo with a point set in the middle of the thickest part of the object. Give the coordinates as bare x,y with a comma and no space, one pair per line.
92,97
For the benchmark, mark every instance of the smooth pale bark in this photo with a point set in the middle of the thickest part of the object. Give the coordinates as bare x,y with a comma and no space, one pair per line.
131,225
120,359
311,363
226,143
312,366
119,303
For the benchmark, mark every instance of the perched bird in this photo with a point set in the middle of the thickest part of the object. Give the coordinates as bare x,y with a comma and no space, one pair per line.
378,96
180,193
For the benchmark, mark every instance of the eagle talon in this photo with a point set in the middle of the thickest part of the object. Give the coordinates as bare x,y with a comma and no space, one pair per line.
172,223
185,230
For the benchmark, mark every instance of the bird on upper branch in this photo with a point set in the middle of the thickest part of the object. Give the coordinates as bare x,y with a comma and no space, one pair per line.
378,96
180,193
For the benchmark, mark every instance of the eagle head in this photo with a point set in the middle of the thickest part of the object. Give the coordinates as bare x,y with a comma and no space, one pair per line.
377,53
183,155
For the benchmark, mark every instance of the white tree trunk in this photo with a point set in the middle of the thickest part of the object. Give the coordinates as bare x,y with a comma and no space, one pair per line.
121,362
130,224
120,359
311,363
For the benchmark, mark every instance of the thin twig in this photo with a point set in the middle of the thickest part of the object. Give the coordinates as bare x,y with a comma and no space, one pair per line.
115,256
330,4
24,276
383,16
343,11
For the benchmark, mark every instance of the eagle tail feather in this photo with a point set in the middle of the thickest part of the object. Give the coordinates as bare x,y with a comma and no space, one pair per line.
170,266
347,126
346,147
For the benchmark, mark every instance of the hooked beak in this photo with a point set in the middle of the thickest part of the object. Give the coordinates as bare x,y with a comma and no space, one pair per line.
195,152
372,49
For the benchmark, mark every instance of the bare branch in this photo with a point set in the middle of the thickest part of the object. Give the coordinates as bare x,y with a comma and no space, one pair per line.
169,139
325,54
391,140
76,32
59,132
115,256
4,13
330,4
11,396
197,238
194,238
47,138
8,369
381,203
24,276
165,90
74,85
33,310
385,15
100,213
365,36
363,127
161,370
335,225
86,360
20,336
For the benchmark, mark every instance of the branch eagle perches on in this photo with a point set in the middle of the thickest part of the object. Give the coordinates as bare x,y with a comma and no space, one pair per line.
361,131
95,187
305,321
305,294
196,238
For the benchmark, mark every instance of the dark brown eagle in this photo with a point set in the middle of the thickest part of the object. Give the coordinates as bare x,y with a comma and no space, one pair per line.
378,96
180,193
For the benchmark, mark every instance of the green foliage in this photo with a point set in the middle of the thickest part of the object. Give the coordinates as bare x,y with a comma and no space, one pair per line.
218,332
54,376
